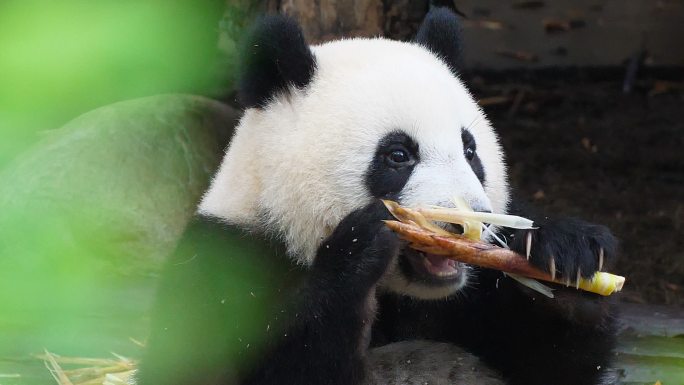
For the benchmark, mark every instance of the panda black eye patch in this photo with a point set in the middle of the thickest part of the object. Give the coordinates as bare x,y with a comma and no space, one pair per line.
470,153
395,157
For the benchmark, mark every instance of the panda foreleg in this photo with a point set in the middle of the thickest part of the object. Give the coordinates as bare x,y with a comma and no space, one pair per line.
326,341
562,340
569,249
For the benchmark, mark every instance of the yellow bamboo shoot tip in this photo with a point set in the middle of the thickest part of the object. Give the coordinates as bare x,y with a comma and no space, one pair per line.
602,283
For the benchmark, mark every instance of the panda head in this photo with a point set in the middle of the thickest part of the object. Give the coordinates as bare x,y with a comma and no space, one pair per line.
329,128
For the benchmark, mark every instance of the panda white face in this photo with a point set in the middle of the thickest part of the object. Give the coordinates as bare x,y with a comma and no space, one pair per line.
378,119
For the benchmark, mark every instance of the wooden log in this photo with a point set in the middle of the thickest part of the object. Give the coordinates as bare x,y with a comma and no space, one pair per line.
650,344
329,19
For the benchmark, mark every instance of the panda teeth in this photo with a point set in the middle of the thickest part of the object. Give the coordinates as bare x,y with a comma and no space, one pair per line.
442,274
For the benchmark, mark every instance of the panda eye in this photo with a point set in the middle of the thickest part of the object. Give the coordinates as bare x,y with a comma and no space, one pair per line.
470,153
469,145
399,158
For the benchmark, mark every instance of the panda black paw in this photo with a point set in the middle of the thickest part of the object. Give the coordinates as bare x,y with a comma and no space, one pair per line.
359,250
567,248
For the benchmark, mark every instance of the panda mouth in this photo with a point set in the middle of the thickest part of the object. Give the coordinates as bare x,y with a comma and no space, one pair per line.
431,267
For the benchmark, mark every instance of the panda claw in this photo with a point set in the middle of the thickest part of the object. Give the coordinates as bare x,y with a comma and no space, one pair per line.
552,268
579,276
528,244
600,264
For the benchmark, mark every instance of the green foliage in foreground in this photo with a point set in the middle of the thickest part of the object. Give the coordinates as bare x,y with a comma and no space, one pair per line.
89,212
62,59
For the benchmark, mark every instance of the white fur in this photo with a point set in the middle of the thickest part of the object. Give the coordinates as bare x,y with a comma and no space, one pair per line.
297,167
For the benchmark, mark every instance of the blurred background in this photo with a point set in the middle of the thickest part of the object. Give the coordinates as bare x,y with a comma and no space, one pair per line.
114,114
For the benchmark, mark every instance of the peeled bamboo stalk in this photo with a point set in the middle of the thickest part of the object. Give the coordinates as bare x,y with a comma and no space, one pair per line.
487,255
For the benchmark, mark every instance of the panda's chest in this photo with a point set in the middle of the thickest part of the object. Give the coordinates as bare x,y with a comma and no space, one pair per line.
400,319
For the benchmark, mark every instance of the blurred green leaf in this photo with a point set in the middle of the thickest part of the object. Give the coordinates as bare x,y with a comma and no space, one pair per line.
93,207
90,211
61,59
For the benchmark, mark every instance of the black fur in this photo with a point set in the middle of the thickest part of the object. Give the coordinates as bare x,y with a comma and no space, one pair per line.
475,162
275,56
528,338
573,244
325,343
385,180
441,34
450,4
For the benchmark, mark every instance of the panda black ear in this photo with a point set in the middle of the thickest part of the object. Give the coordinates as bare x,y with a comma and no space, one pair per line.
440,32
275,56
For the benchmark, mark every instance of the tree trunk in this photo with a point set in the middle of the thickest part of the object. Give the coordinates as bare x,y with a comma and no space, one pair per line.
324,20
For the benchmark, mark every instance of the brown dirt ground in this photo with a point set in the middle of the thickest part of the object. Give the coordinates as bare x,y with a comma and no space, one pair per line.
577,145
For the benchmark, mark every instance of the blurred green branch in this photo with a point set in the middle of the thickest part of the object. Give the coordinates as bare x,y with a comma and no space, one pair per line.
61,59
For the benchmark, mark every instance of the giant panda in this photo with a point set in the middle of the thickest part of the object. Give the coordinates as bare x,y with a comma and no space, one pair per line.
292,221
